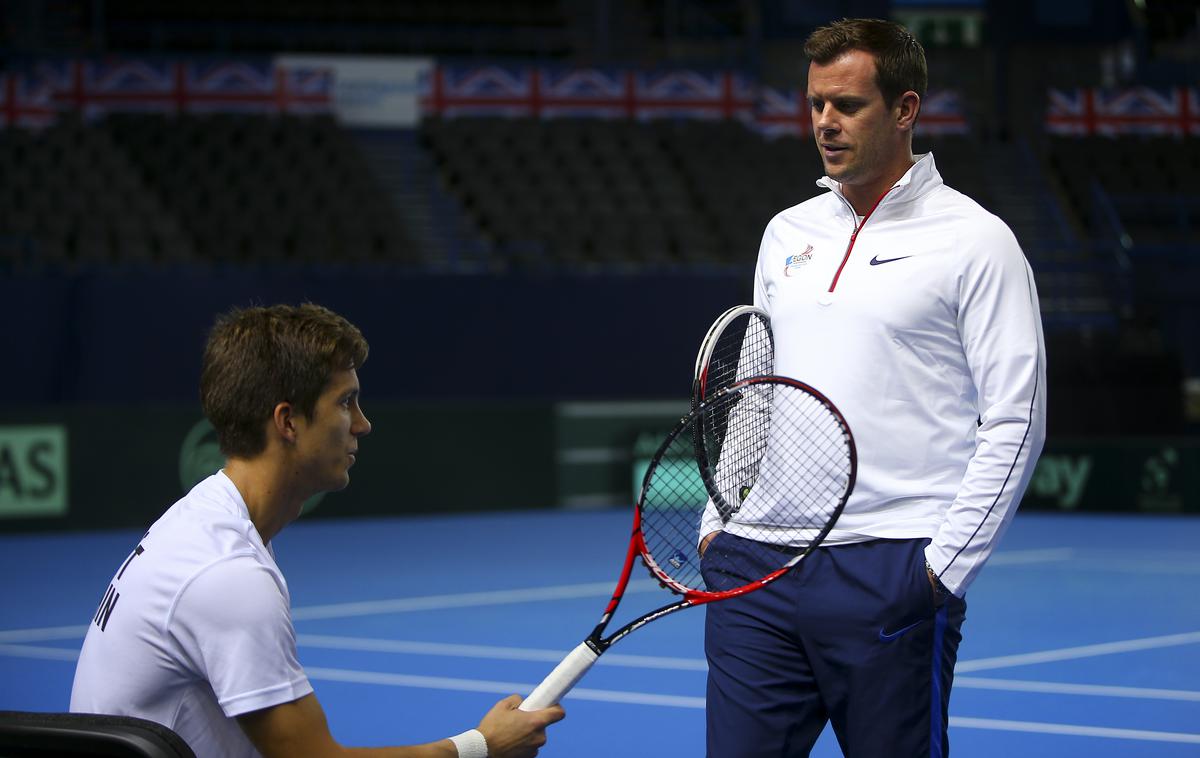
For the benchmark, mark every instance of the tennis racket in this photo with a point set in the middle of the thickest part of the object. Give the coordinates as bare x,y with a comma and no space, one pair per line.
799,451
737,346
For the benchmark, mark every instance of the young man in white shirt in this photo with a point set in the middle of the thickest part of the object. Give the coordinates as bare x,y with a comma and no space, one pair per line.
195,630
914,310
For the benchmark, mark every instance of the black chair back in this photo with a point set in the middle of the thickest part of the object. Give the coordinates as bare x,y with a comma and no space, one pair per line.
26,734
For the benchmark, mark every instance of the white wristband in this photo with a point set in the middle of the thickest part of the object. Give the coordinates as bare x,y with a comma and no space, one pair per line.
470,744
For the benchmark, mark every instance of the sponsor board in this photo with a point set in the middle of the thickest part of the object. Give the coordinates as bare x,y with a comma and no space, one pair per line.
33,471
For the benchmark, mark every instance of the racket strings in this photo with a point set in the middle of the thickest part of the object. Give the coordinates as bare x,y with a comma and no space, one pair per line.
805,471
672,505
779,460
736,434
744,349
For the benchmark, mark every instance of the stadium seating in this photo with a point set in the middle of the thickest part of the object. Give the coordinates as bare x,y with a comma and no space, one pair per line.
139,188
638,193
1147,188
69,195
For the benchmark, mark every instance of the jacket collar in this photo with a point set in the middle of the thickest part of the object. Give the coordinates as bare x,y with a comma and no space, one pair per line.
922,177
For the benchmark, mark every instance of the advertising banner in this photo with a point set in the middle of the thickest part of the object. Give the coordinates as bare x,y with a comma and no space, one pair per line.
121,467
33,471
369,92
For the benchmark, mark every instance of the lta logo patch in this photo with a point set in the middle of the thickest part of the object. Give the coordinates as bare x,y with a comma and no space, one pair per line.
794,262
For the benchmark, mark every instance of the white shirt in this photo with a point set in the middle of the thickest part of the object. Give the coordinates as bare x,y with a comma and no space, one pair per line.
923,328
195,628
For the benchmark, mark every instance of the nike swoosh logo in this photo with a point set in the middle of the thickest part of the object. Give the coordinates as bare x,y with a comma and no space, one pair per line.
877,260
889,636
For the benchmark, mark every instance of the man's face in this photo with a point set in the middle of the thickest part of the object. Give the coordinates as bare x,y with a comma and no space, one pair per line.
328,441
855,130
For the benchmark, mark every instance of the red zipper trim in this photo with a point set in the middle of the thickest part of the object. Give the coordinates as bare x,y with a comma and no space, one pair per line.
853,237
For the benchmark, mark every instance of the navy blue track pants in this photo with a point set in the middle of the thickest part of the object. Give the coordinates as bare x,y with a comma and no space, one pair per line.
851,636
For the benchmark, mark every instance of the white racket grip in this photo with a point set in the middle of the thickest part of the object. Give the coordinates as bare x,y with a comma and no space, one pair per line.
560,681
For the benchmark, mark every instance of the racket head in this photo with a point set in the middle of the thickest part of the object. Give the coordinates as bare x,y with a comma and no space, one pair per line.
787,456
737,346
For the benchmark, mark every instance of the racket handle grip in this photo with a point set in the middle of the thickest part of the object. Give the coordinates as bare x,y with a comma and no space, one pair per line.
560,681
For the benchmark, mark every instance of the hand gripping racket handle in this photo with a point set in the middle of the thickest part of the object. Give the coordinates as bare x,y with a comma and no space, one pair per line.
564,676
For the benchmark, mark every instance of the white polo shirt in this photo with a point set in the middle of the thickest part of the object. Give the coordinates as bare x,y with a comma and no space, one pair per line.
195,627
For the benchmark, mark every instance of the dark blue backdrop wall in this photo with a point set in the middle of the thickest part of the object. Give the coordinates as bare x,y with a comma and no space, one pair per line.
136,336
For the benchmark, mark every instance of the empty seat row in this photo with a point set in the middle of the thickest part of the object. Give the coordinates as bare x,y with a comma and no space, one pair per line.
212,187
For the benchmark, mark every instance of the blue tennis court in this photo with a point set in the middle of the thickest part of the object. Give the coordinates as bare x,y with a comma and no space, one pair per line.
1082,636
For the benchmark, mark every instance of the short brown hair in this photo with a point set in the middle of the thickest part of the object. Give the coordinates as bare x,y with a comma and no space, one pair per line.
259,357
899,58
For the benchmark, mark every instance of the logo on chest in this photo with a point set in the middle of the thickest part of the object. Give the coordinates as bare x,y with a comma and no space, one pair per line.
877,261
793,263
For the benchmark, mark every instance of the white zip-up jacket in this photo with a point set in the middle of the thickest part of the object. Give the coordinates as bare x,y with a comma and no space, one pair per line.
921,323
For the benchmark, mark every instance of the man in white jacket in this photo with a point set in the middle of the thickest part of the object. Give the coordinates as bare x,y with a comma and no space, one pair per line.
195,629
915,311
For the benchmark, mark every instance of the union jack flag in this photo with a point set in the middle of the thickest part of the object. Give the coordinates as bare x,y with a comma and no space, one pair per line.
942,113
546,92
24,102
1171,111
693,94
96,87
257,88
587,92
783,113
480,91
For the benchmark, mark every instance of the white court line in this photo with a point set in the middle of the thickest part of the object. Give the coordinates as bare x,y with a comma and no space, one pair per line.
467,600
1025,557
1073,730
44,633
498,688
39,651
1064,688
1183,564
1085,651
493,652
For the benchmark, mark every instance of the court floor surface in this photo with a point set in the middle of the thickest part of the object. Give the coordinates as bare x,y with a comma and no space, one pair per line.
1082,635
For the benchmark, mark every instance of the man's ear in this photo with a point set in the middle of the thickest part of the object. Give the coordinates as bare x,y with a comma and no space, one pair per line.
284,420
907,109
